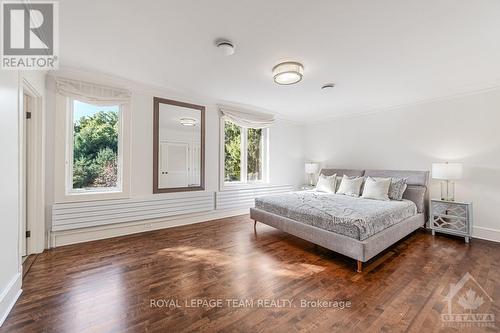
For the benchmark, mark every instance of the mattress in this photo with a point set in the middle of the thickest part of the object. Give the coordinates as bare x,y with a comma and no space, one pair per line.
357,218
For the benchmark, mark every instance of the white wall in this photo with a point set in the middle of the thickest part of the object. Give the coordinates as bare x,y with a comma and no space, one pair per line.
286,140
464,129
285,146
10,281
286,153
11,184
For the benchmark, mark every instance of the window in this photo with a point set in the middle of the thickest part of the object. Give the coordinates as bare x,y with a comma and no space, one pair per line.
245,154
94,148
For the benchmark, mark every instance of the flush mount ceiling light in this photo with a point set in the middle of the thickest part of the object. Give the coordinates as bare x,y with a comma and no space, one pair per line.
287,73
226,47
188,121
328,86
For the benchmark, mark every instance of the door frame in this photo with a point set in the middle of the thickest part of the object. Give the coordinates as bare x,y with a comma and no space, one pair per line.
36,242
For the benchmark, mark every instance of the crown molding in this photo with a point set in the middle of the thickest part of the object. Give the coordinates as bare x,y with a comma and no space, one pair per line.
395,107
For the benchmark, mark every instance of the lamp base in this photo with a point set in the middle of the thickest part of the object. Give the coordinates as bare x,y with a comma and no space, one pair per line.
447,190
311,179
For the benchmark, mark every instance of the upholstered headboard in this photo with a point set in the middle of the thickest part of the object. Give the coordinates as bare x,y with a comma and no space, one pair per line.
341,172
418,181
417,178
417,190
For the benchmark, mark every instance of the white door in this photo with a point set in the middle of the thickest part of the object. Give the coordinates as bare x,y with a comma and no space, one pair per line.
174,164
195,165
27,169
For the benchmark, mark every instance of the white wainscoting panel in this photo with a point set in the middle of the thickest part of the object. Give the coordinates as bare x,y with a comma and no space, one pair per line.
67,237
244,198
68,216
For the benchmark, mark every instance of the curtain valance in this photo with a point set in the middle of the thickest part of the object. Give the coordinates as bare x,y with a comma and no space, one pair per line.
246,118
92,93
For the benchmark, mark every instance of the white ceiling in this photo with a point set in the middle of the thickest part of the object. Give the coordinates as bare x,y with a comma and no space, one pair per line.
379,53
170,118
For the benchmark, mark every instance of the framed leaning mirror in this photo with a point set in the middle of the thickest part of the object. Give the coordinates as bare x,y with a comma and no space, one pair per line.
178,146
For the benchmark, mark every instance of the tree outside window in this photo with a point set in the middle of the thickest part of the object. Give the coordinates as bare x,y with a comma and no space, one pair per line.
95,146
232,152
254,154
244,153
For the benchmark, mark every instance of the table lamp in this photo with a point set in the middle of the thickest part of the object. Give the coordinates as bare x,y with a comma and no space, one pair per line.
447,173
311,169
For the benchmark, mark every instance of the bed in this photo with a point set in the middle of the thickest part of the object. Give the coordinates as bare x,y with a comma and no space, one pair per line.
356,227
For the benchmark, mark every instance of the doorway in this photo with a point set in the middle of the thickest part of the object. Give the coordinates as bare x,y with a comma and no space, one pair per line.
27,173
32,172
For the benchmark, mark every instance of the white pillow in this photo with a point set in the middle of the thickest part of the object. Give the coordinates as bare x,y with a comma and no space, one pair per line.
338,180
350,186
326,183
377,188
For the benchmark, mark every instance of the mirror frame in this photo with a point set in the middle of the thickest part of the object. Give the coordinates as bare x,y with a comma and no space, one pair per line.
156,145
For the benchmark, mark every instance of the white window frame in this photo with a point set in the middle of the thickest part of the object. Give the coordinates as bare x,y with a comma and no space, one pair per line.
64,191
243,182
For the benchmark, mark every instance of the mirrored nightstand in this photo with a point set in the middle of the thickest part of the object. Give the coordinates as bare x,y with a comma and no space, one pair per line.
451,217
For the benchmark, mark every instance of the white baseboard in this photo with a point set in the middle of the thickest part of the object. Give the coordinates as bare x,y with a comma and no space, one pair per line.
61,238
486,233
9,296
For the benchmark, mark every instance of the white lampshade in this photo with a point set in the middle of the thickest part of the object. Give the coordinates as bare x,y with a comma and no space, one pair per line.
447,171
311,167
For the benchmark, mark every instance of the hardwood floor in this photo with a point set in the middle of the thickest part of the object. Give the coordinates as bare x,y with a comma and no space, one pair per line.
110,285
28,262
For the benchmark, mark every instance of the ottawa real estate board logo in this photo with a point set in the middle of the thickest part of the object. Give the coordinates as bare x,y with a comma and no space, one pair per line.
468,305
30,35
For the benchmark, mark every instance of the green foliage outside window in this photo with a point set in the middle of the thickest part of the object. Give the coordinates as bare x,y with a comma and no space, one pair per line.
254,154
232,152
95,150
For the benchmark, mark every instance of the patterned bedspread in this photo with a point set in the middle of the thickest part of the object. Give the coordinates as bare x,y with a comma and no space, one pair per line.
353,217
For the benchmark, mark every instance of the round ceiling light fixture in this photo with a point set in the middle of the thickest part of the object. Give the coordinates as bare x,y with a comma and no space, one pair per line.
226,47
289,72
187,121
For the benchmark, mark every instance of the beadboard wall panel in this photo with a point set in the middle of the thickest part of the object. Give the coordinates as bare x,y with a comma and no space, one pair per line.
244,198
78,215
68,216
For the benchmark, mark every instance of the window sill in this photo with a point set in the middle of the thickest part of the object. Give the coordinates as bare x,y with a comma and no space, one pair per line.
242,186
93,196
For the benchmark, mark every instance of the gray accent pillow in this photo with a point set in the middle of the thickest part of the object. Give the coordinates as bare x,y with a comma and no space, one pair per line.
417,195
397,188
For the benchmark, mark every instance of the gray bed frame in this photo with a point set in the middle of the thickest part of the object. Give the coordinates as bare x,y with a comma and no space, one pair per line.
364,250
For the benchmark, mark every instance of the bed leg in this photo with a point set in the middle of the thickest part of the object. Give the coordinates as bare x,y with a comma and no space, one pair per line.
255,225
360,267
